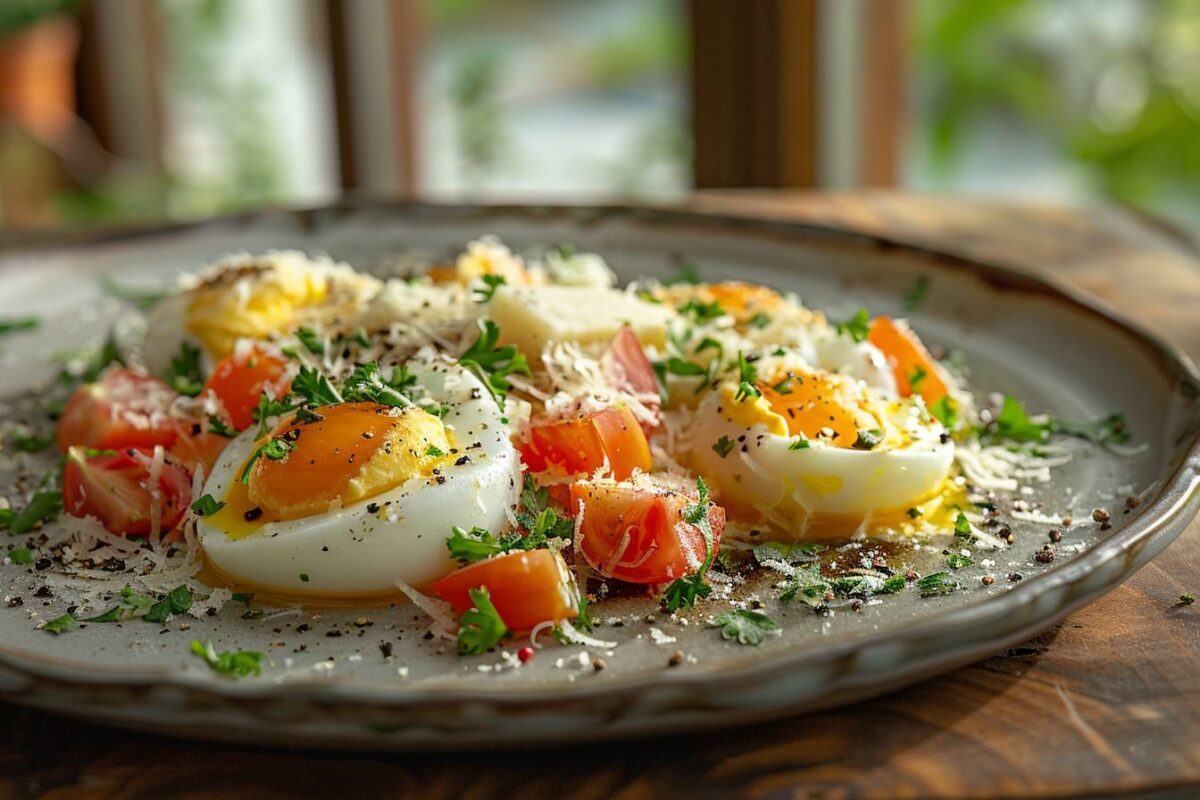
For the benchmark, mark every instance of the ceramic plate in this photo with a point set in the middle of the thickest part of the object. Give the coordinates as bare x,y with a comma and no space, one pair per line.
330,683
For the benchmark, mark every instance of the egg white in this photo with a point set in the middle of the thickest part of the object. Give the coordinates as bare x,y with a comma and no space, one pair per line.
352,551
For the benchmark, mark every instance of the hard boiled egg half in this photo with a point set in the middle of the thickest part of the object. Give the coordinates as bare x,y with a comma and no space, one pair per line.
364,495
816,454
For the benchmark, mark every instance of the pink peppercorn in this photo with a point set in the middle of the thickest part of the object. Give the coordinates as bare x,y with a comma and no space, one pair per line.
525,654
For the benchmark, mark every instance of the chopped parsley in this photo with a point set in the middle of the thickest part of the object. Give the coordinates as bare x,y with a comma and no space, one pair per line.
235,663
59,624
958,561
23,324
678,366
184,374
313,342
1013,423
937,583
962,527
27,443
913,513
683,592
701,312
45,505
480,627
801,443
267,407
789,552
747,375
944,411
688,273
759,321
220,427
276,448
315,388
868,440
916,378
1187,598
490,284
785,385
745,627
206,506
177,601
857,327
20,555
494,364
367,384
723,446
434,451
914,295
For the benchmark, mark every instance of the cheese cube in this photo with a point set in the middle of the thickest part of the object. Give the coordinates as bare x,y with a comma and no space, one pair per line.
532,316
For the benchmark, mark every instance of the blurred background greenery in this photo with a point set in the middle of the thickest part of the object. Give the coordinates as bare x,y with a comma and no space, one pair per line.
1064,101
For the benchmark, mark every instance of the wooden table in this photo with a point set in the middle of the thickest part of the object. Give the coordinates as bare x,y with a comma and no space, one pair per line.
1107,703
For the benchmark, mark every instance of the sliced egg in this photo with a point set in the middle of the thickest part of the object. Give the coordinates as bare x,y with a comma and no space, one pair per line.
364,496
815,453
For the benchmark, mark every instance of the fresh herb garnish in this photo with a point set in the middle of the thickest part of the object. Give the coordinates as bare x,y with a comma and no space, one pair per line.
759,321
239,663
789,552
683,592
914,295
177,601
45,505
747,375
367,384
700,311
688,273
480,627
494,364
857,327
20,555
433,451
27,443
267,407
206,506
785,385
723,446
315,388
746,627
313,342
1014,424
490,283
218,426
937,583
962,527
184,374
681,367
958,561
276,448
801,443
868,440
916,378
59,624
913,513
22,324
944,411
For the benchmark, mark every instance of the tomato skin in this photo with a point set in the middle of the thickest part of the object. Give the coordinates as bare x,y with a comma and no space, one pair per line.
906,353
626,361
123,409
661,546
195,450
114,488
527,588
240,378
583,445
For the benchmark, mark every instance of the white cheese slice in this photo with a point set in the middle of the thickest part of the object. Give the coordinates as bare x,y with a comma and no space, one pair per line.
532,316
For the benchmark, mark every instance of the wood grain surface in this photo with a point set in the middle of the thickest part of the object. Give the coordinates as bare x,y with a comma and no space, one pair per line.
1105,704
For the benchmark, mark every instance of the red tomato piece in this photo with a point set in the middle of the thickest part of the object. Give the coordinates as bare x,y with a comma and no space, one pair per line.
640,536
123,409
241,377
583,445
194,450
116,489
526,588
626,361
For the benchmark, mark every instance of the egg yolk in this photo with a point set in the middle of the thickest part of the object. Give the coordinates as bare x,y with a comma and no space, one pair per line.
794,404
742,301
355,451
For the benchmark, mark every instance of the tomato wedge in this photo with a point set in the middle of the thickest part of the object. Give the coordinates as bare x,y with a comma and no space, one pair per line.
584,445
626,361
241,377
195,448
638,535
909,359
123,409
115,489
527,588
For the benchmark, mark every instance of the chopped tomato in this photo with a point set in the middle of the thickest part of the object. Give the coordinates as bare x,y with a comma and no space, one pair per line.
240,379
123,409
195,448
115,488
583,445
632,371
909,359
638,535
526,588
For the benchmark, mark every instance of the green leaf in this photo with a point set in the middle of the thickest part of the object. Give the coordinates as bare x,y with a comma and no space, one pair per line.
477,544
184,374
494,364
723,446
315,388
20,555
937,583
944,412
22,324
206,506
746,627
265,410
1112,428
747,375
759,321
962,526
367,384
490,284
217,426
480,627
893,584
688,273
678,366
857,327
26,443
683,592
1013,423
59,624
789,552
801,443
700,311
868,440
45,505
275,448
235,663
313,342
958,561
914,296
177,601
916,378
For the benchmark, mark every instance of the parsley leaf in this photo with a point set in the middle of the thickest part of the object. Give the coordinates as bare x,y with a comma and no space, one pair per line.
218,426
914,295
937,583
746,627
315,388
480,627
868,440
700,311
22,324
476,544
240,663
20,555
45,505
494,364
688,273
747,375
27,443
723,446
177,601
962,527
958,561
184,374
490,283
206,506
1013,423
1112,428
59,624
944,412
683,592
313,342
275,448
267,408
759,321
678,366
857,327
916,377
367,384
801,443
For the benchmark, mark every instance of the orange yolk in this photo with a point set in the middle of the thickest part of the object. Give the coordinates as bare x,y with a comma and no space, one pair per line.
742,300
810,404
355,451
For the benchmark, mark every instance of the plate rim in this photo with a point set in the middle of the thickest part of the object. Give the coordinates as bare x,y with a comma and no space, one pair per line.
1176,492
